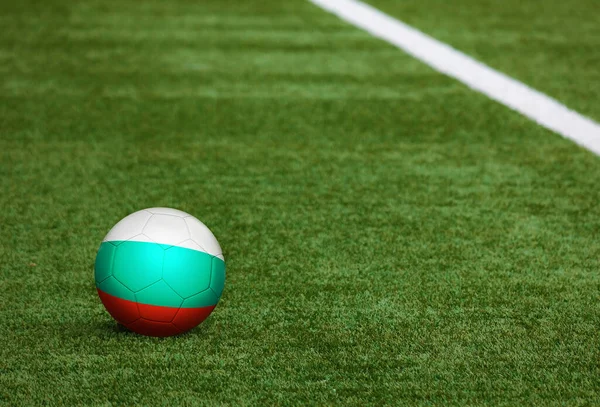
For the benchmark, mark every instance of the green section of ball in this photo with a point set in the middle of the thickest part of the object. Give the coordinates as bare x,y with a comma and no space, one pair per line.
138,264
104,261
160,275
217,282
203,299
159,294
187,271
114,287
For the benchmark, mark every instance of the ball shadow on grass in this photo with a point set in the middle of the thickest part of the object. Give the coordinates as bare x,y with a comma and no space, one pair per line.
118,328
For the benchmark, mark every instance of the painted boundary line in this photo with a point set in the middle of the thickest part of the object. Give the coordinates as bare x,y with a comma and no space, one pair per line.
535,105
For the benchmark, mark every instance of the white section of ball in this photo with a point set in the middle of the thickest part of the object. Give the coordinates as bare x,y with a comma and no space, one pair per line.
128,227
166,226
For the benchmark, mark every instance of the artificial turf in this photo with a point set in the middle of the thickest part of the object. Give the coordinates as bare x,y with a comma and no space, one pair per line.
391,237
550,45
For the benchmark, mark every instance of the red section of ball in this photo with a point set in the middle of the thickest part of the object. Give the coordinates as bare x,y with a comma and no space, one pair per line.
123,311
153,320
188,318
158,314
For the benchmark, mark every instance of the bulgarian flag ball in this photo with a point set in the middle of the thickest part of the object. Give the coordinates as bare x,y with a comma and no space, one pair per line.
160,272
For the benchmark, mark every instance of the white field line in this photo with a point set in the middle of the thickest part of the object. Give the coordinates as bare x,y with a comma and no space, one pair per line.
529,102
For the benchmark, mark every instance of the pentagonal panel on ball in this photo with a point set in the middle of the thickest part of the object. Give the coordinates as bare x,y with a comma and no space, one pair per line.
138,264
166,229
187,271
128,227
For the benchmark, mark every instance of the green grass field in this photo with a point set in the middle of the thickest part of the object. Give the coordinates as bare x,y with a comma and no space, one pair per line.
391,237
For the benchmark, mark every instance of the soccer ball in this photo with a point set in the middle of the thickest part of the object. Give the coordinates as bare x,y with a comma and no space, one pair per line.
160,272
